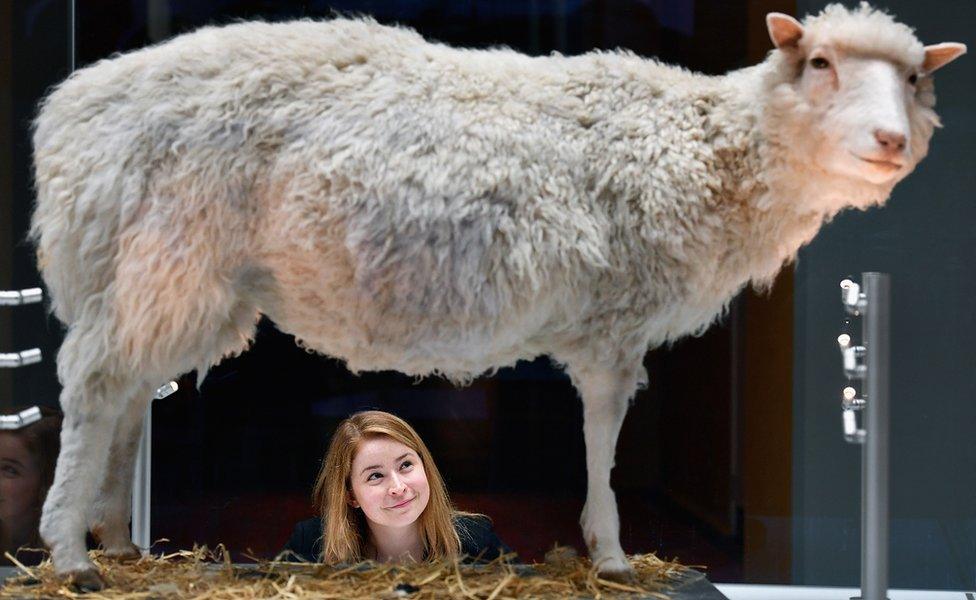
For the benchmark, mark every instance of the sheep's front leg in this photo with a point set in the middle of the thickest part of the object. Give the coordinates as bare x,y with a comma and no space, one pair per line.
112,508
85,438
606,394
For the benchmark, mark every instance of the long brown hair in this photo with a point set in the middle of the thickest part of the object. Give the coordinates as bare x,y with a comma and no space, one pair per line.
345,530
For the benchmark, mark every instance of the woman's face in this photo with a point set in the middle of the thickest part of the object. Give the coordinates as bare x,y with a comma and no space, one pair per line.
388,482
20,482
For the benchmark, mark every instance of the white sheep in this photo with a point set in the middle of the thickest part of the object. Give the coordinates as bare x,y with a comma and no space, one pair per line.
404,205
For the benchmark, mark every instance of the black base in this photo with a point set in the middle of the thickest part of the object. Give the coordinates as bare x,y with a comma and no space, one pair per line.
694,586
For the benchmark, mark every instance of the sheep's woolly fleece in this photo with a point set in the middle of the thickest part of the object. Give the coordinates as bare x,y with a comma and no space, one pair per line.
405,205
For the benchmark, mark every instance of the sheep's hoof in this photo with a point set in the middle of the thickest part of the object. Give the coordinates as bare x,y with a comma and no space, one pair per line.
130,553
88,580
625,576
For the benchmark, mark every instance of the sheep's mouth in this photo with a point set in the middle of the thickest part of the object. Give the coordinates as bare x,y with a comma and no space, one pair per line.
886,165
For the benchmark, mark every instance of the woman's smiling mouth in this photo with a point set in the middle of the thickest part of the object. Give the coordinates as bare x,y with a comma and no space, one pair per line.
402,504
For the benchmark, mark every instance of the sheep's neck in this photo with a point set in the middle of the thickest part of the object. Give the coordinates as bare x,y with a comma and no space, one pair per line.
779,197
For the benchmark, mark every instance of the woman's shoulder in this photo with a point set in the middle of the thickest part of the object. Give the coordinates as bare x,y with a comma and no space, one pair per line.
472,523
306,540
309,529
478,537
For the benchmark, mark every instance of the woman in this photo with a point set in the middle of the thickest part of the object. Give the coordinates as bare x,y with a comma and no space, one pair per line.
381,498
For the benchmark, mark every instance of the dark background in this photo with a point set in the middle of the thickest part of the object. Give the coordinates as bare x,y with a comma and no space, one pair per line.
726,460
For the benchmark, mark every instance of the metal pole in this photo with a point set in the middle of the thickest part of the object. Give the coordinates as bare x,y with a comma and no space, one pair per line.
141,485
72,39
142,478
874,452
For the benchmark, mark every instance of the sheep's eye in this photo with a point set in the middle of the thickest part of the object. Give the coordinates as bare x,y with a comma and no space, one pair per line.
913,78
819,63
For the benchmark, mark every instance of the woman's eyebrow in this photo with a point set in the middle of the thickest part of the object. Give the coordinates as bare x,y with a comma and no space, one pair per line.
14,461
397,459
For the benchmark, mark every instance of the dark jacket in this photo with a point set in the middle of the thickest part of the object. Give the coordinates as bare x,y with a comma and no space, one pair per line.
476,534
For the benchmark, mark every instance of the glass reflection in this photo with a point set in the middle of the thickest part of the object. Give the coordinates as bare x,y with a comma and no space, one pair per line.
27,459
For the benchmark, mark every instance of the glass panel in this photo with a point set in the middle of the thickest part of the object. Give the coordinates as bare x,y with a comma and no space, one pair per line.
34,54
250,441
732,457
27,457
923,240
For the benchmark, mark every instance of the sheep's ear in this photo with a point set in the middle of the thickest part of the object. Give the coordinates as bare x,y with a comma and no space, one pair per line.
938,55
784,30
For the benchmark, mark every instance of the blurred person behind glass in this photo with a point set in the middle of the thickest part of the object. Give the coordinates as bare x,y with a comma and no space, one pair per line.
27,459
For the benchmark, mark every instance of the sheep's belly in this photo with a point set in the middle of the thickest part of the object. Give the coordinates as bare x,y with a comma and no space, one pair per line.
418,347
353,326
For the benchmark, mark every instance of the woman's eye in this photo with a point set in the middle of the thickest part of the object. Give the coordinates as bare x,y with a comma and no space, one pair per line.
913,78
406,464
819,62
370,477
9,471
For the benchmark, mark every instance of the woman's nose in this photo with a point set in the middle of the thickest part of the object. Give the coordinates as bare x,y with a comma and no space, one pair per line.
396,485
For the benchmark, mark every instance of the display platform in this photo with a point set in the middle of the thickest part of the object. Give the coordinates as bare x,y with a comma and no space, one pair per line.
693,585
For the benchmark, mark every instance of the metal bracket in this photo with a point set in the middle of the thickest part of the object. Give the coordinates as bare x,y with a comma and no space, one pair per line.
854,368
21,419
851,405
16,298
165,390
850,295
13,360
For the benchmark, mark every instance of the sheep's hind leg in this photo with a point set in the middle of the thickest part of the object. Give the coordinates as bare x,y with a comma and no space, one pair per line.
90,416
606,394
112,509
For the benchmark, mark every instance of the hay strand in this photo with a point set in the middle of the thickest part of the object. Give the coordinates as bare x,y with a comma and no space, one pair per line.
19,565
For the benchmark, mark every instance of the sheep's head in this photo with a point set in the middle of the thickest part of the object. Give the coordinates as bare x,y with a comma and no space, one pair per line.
854,94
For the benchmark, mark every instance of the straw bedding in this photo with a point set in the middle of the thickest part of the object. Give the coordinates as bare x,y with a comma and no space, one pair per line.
208,574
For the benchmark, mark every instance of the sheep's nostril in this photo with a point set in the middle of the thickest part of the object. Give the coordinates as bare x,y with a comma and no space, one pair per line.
890,140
